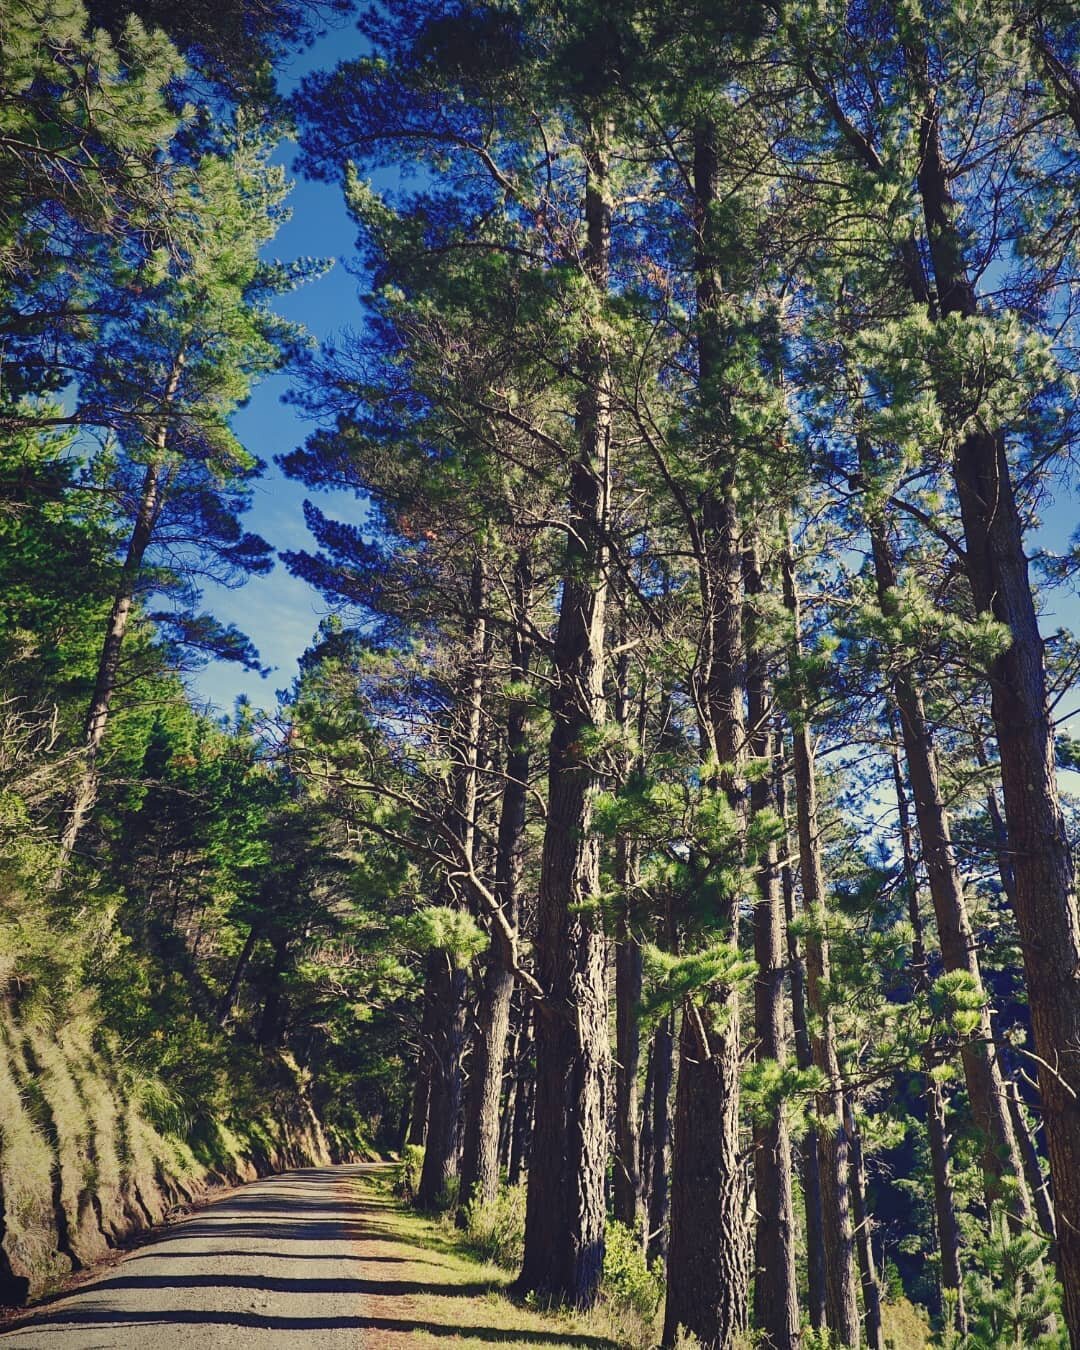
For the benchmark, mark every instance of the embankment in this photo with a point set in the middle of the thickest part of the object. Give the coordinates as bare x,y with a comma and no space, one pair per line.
92,1149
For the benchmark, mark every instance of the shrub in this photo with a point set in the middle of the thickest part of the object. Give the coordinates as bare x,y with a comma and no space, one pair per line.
1012,1297
448,1196
407,1176
629,1285
904,1325
497,1229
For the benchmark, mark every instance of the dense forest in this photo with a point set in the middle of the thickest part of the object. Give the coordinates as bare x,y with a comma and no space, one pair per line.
665,847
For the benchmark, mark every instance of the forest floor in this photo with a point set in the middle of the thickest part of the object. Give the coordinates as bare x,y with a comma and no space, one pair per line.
323,1257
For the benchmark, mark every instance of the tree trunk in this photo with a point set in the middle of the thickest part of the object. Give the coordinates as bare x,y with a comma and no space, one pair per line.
480,1148
645,1139
421,1100
841,1295
948,1230
268,1033
228,999
1037,1182
709,1243
1046,904
997,824
776,1305
982,1073
401,1134
156,479
709,1246
627,1207
565,1211
864,1235
809,1166
480,1154
448,984
1059,74
952,1284
506,1121
523,1113
626,1175
663,1064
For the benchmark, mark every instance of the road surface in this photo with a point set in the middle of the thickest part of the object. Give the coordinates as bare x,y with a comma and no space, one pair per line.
277,1264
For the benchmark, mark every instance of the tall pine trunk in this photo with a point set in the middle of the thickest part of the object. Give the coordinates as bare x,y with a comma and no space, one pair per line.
999,1154
228,999
565,1210
659,1164
809,1164
1033,1169
1045,887
448,982
841,1294
626,1176
480,1152
627,1187
506,1119
421,1093
709,1243
156,479
776,1306
524,1085
948,1231
864,1234
708,1273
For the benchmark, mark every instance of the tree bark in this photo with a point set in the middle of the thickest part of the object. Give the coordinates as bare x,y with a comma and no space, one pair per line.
864,1235
421,1097
156,480
948,1230
268,1032
707,1287
449,981
709,1249
776,1305
479,1175
663,1064
626,1176
645,1138
627,1188
510,1077
1046,903
480,1153
228,999
1037,1182
809,1166
841,1295
523,1111
565,1210
982,1073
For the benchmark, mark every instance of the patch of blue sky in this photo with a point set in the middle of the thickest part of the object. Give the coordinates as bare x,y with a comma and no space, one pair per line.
278,612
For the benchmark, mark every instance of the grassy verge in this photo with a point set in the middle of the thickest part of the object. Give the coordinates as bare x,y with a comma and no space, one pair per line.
439,1293
441,1290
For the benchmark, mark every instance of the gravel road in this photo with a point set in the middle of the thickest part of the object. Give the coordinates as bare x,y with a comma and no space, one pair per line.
278,1263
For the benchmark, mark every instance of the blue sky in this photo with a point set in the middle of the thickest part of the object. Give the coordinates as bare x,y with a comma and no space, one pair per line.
278,612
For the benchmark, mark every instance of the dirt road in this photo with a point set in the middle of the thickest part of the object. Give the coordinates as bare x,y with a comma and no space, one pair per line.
313,1260
279,1263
